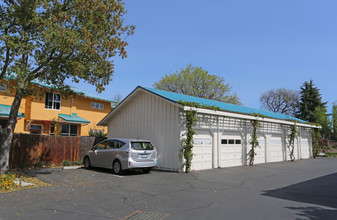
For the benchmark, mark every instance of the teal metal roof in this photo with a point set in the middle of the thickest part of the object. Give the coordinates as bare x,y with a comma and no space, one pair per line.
5,110
73,118
76,90
175,97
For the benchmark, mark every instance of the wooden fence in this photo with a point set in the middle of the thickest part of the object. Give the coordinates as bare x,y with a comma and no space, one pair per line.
28,149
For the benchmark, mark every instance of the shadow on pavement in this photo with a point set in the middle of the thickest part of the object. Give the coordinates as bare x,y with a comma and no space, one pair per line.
35,173
320,191
314,213
109,171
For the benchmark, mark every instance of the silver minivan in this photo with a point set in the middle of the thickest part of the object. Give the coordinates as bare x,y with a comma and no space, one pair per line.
122,154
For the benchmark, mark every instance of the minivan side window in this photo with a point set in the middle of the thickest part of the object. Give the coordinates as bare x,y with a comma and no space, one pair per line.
119,144
114,144
101,146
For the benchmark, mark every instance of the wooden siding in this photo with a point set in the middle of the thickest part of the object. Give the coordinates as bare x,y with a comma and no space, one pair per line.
29,148
151,118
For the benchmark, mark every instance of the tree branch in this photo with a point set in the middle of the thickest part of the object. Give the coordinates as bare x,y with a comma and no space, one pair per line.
35,73
7,60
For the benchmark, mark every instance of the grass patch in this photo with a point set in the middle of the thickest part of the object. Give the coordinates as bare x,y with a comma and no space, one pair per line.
331,154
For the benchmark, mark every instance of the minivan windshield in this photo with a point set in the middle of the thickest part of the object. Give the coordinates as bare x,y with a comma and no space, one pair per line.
141,146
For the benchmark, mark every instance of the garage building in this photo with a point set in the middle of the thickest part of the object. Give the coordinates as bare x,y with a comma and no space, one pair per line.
222,137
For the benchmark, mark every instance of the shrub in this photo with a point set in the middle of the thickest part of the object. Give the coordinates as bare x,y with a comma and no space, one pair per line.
7,182
76,163
97,133
66,163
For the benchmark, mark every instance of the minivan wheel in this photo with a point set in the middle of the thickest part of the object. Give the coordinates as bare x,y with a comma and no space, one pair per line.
87,163
117,167
147,170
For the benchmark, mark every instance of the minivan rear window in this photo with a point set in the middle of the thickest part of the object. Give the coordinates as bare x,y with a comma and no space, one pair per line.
141,146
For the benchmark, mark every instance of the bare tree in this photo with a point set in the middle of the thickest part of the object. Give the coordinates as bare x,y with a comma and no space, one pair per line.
117,97
284,101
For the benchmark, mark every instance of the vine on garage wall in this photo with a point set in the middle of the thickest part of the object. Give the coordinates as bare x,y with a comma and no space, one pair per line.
316,136
291,142
254,142
186,150
186,154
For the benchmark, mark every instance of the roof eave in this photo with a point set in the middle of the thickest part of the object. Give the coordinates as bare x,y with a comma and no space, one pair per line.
248,117
104,121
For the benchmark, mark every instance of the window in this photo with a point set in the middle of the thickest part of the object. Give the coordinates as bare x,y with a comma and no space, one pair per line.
237,141
3,87
3,122
101,146
97,105
35,129
69,130
141,146
53,101
224,141
231,141
197,141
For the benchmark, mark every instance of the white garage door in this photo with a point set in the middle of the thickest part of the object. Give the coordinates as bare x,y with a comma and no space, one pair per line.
202,151
295,149
260,151
230,150
305,148
276,149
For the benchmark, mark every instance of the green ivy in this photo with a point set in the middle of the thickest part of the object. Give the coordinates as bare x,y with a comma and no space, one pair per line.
198,105
186,150
259,115
315,141
254,142
291,142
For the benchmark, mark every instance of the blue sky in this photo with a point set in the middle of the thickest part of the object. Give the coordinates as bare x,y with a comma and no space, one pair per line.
255,45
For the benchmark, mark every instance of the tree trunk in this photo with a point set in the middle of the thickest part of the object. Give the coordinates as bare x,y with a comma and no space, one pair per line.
6,133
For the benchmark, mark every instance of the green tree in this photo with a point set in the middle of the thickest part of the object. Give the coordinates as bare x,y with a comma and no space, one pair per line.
55,40
334,121
310,99
322,118
197,82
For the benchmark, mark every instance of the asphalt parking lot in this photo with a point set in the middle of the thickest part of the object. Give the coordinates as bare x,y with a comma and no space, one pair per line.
304,189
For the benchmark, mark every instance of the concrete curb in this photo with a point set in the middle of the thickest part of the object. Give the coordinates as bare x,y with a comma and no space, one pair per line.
71,167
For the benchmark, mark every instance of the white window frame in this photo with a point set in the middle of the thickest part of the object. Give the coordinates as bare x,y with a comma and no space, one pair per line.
30,128
5,86
53,101
97,105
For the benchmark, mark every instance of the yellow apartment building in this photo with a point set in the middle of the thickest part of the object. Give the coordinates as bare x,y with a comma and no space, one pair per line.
48,112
